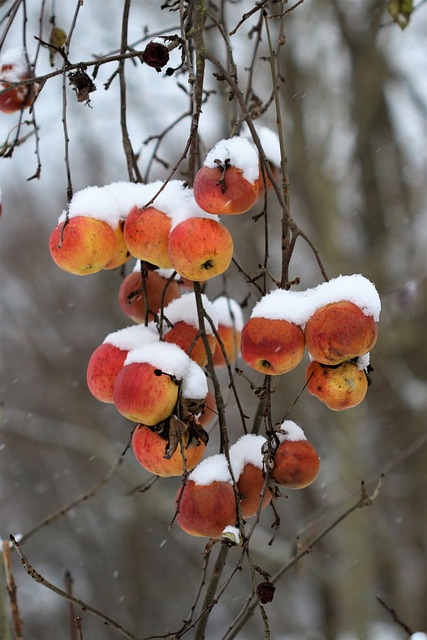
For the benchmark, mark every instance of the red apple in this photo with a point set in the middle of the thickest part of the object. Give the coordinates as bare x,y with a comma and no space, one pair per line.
121,253
224,190
149,448
207,502
230,324
200,248
272,346
339,331
296,464
14,69
247,463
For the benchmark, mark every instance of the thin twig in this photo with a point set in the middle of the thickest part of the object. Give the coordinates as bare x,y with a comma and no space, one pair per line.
11,590
37,577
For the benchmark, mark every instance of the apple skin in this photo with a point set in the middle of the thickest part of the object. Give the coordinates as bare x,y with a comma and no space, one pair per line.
183,335
149,449
205,510
200,248
209,413
250,484
296,464
271,346
142,396
87,245
231,340
339,386
102,370
339,331
146,234
238,197
121,253
134,308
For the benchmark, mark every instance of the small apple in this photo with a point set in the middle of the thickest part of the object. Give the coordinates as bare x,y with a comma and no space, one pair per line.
228,181
296,464
272,346
206,504
158,291
340,331
340,386
200,248
82,245
150,447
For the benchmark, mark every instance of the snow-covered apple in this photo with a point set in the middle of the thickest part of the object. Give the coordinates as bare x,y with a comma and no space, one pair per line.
15,69
230,324
247,463
158,290
296,463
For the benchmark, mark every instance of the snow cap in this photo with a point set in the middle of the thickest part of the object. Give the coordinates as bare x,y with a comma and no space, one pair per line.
241,153
298,306
168,357
194,384
184,309
94,202
229,312
132,337
211,469
247,450
294,433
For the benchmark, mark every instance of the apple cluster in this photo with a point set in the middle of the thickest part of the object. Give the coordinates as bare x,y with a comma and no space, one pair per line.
336,321
153,371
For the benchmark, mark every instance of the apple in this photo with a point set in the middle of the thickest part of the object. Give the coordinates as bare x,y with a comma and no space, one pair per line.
158,291
339,331
340,386
296,464
183,335
200,248
228,181
14,69
109,357
146,388
224,190
230,324
146,233
272,346
149,448
206,504
82,244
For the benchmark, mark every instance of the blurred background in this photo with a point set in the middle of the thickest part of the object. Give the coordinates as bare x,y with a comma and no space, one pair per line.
354,108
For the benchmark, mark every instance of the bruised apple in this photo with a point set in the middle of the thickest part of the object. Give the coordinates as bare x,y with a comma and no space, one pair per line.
340,386
296,464
200,248
272,346
82,245
339,331
158,290
150,449
206,504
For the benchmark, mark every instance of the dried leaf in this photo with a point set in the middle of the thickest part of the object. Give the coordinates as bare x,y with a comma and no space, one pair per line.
177,429
57,39
400,11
